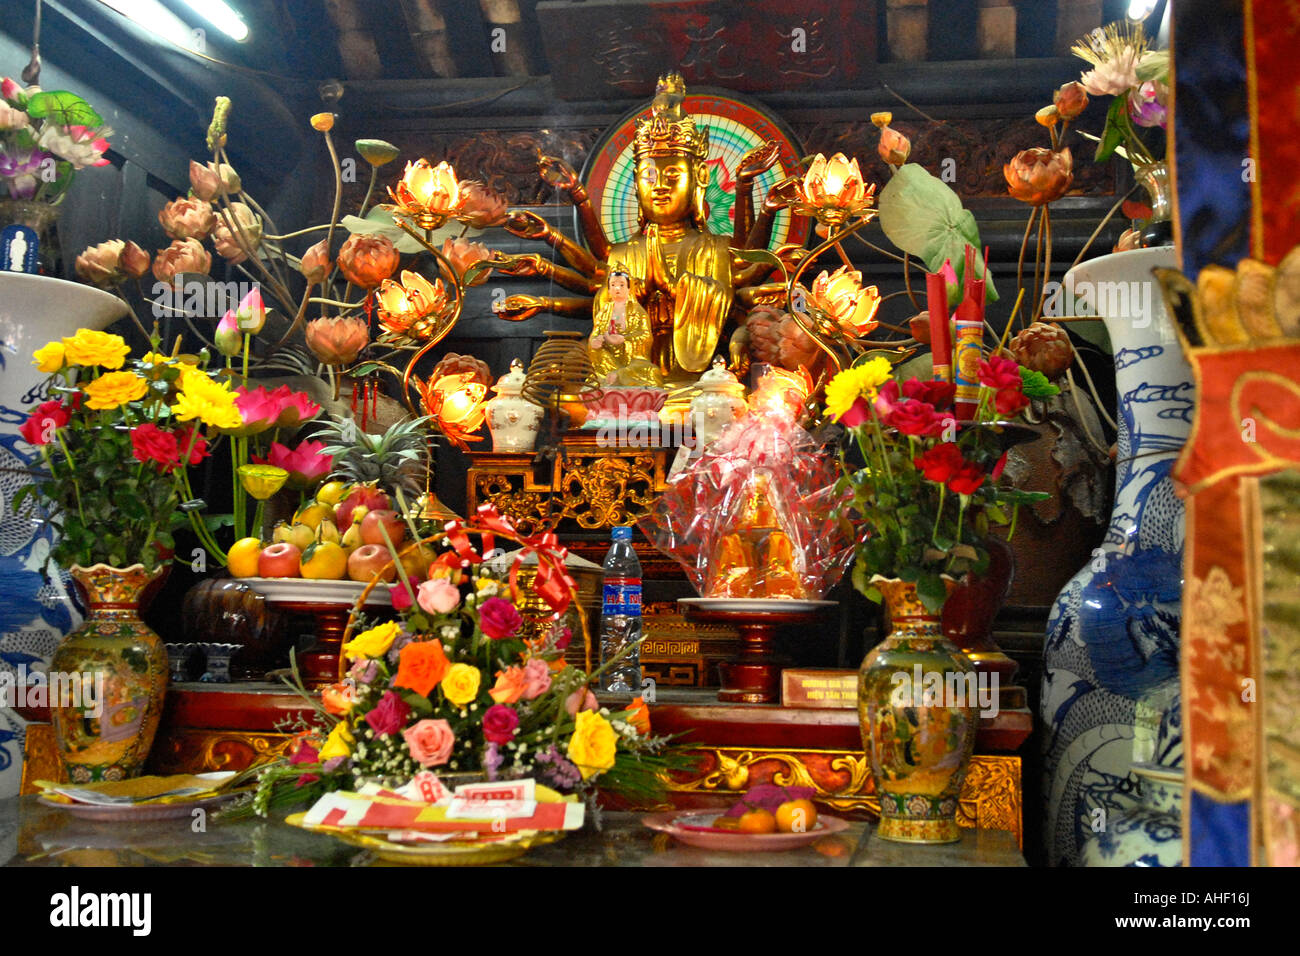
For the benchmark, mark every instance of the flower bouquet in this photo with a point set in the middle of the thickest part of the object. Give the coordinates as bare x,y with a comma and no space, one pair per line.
453,688
45,137
928,490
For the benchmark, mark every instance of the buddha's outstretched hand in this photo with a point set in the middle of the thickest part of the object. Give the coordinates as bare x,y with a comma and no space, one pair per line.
517,308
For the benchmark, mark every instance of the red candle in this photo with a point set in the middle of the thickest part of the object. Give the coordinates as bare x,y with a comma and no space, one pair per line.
936,300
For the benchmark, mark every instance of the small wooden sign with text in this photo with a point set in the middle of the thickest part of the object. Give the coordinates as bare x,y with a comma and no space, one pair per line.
831,689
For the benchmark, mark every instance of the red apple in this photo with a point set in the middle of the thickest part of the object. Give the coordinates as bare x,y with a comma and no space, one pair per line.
367,561
391,520
365,497
279,560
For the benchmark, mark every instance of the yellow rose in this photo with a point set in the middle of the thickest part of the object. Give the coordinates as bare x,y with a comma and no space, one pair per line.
593,744
96,348
460,685
49,358
372,643
114,389
339,743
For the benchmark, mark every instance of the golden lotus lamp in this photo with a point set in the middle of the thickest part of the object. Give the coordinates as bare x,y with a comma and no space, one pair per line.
428,195
457,403
833,192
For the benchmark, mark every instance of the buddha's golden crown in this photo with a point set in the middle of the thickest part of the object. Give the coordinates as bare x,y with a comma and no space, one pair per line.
669,131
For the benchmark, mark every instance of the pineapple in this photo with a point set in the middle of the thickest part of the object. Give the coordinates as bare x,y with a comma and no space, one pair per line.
392,460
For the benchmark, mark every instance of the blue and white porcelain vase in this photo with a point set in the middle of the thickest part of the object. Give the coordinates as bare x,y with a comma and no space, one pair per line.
1149,833
34,613
1110,673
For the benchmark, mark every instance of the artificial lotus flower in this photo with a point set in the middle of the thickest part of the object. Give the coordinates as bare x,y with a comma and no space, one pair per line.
251,314
295,408
247,231
187,218
463,253
1114,53
20,170
134,261
413,306
337,340
894,147
213,180
426,193
101,265
228,339
1070,100
305,464
79,145
833,189
315,263
183,255
1038,176
262,481
259,408
366,261
480,206
1148,104
841,295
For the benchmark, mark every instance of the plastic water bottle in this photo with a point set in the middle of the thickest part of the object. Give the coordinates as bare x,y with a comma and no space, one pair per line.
620,616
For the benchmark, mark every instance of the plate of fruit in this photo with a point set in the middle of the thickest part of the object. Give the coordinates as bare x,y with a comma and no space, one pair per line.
765,819
330,550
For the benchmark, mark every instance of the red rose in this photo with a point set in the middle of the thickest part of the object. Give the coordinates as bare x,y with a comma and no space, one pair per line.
916,418
886,399
389,715
500,724
857,413
39,429
499,619
938,393
1010,400
151,443
997,372
941,462
966,479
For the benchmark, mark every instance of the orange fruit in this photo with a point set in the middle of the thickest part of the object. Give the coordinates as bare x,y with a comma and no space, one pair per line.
241,559
757,821
324,561
313,514
332,492
796,816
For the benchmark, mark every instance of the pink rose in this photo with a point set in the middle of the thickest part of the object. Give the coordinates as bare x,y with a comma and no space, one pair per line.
581,699
437,596
399,596
537,678
500,724
430,742
389,714
499,618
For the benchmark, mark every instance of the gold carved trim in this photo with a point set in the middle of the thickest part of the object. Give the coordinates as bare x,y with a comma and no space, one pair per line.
991,795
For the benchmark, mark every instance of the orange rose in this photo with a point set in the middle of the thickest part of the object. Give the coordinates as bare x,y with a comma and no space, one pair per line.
421,666
509,686
338,699
638,715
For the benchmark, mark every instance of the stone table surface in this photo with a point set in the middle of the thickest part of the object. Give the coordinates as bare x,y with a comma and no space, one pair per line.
32,834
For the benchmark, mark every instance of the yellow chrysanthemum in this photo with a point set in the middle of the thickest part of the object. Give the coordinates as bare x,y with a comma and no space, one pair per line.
92,348
339,743
216,413
49,358
372,643
460,684
859,381
594,744
114,389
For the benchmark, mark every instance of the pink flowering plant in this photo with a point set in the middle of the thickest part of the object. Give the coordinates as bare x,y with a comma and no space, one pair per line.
45,138
464,682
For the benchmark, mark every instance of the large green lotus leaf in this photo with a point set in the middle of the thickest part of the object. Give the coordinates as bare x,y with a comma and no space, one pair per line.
63,107
921,215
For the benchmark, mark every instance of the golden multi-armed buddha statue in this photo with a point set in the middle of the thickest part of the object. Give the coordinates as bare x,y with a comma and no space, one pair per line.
685,278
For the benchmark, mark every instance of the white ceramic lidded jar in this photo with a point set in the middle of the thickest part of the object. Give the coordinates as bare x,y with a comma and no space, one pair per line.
721,401
512,419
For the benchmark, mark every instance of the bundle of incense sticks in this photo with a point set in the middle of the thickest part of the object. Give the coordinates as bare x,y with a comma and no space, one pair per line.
969,319
936,301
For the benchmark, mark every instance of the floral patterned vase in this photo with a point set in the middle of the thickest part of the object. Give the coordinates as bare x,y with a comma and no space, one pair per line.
36,611
1110,670
919,742
113,672
1147,834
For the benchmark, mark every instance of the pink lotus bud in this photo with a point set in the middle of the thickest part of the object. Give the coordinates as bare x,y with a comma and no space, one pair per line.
210,181
251,314
228,339
249,231
134,261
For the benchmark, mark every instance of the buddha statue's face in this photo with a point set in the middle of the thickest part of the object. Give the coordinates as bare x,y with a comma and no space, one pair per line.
664,186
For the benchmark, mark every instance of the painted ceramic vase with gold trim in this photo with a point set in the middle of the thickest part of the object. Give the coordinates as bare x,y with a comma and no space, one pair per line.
919,741
112,676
